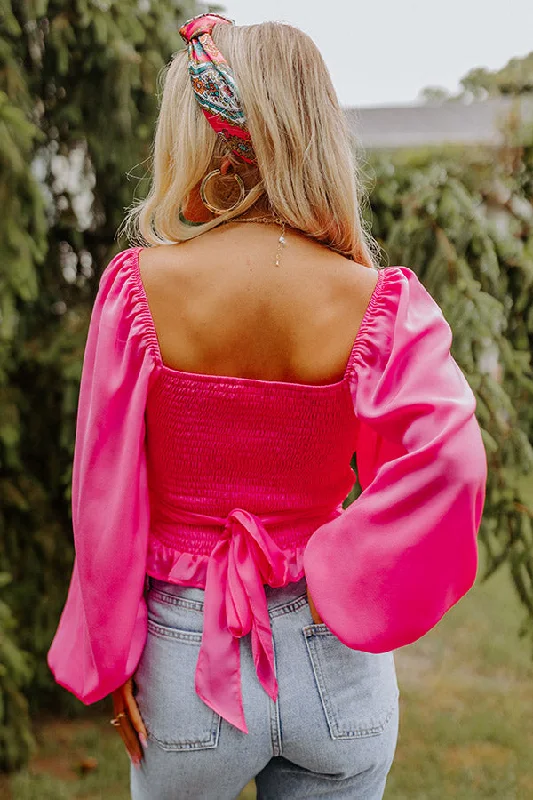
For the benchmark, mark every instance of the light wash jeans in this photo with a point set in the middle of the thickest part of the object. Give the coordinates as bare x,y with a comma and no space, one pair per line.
332,733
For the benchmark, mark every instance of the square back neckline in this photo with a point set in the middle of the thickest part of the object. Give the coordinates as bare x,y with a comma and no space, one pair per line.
216,378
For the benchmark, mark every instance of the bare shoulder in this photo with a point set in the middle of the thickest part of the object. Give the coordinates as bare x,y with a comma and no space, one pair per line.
366,279
158,263
357,285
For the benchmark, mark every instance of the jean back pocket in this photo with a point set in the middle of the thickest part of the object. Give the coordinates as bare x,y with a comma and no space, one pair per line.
175,717
359,691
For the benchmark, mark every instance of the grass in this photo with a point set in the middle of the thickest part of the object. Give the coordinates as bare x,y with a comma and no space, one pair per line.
466,726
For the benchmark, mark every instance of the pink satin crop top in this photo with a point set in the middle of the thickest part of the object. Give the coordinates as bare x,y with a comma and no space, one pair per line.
229,484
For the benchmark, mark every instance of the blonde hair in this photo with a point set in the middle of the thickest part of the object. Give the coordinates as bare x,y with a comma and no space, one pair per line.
306,171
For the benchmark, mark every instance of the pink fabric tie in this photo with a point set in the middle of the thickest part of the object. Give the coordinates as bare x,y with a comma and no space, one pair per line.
235,604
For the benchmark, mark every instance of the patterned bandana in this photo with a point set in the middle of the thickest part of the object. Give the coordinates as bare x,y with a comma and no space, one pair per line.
214,84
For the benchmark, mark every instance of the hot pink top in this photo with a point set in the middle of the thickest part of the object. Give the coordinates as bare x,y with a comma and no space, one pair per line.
229,483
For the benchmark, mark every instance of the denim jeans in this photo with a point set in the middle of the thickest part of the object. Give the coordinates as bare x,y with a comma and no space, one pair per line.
332,732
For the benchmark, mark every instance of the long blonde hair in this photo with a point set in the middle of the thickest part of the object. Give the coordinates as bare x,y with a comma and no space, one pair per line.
306,170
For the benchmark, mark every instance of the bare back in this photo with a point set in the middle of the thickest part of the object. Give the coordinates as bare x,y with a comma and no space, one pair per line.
220,305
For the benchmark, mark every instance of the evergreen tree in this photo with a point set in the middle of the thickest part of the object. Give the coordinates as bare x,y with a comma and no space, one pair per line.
78,98
463,220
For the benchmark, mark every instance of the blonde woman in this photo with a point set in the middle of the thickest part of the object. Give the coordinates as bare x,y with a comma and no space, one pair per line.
239,353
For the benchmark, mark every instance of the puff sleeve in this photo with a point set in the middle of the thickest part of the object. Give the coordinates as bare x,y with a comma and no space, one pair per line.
387,569
102,629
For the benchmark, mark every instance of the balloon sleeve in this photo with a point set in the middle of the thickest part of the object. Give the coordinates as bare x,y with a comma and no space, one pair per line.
387,569
103,626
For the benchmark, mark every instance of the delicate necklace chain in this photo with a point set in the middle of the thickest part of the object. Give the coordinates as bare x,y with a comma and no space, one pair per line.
281,240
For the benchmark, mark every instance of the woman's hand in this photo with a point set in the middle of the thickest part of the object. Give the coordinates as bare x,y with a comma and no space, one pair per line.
131,724
314,613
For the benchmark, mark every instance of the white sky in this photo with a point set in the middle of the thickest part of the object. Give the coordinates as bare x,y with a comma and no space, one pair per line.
383,52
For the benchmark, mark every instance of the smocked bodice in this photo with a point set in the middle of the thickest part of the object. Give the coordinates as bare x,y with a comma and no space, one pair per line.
212,446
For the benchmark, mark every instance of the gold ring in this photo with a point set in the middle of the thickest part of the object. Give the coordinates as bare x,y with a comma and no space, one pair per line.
116,720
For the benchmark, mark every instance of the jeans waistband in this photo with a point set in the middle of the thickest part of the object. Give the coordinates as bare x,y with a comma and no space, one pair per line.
274,595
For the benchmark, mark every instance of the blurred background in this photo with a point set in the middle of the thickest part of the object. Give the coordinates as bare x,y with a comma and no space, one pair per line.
439,100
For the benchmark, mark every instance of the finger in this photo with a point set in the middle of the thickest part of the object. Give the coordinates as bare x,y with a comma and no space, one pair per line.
129,737
118,702
314,613
125,729
133,710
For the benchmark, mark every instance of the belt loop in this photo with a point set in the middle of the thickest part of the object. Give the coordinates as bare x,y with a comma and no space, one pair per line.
147,583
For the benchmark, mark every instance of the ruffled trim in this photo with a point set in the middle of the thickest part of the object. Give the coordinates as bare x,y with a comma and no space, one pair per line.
373,340
168,564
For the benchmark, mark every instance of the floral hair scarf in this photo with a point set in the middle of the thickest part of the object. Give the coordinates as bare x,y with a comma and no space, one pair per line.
214,84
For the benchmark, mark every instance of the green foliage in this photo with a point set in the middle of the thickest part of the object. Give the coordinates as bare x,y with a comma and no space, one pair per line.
513,79
464,223
17,743
516,77
78,98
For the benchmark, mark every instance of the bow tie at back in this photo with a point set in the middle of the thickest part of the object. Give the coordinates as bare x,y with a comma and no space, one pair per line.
214,85
244,558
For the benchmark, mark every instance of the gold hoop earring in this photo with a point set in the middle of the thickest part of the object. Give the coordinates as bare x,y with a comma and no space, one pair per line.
209,205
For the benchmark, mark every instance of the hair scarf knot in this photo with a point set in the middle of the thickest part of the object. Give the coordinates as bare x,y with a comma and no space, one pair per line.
214,85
